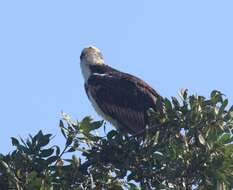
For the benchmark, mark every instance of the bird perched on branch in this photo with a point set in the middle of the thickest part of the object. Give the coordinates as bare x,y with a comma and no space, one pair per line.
120,98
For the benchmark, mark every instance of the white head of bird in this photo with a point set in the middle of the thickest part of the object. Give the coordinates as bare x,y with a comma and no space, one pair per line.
90,56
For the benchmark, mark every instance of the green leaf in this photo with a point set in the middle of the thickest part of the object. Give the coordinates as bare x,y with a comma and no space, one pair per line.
69,141
85,122
216,96
61,124
201,139
131,176
63,132
226,138
14,141
111,134
52,159
175,102
46,152
95,125
159,105
168,104
72,149
231,109
215,93
43,140
131,186
184,93
57,151
223,106
38,135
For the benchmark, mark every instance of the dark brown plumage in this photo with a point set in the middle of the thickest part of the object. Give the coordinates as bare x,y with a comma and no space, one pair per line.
120,98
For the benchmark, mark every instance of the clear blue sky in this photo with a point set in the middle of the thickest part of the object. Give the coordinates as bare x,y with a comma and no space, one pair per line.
170,44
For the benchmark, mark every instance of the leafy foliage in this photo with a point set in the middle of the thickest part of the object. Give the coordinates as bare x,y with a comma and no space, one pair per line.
190,148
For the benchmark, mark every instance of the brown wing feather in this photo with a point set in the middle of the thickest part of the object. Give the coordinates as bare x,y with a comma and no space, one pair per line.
125,99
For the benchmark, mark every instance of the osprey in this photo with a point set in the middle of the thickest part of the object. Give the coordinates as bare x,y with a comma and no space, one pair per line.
120,98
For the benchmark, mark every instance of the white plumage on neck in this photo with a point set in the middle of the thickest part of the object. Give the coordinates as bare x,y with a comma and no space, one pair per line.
90,56
86,71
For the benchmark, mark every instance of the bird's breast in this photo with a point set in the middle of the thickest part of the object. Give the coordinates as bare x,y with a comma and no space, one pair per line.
99,110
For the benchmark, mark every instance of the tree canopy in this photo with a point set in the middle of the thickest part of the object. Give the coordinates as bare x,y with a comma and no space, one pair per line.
190,148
